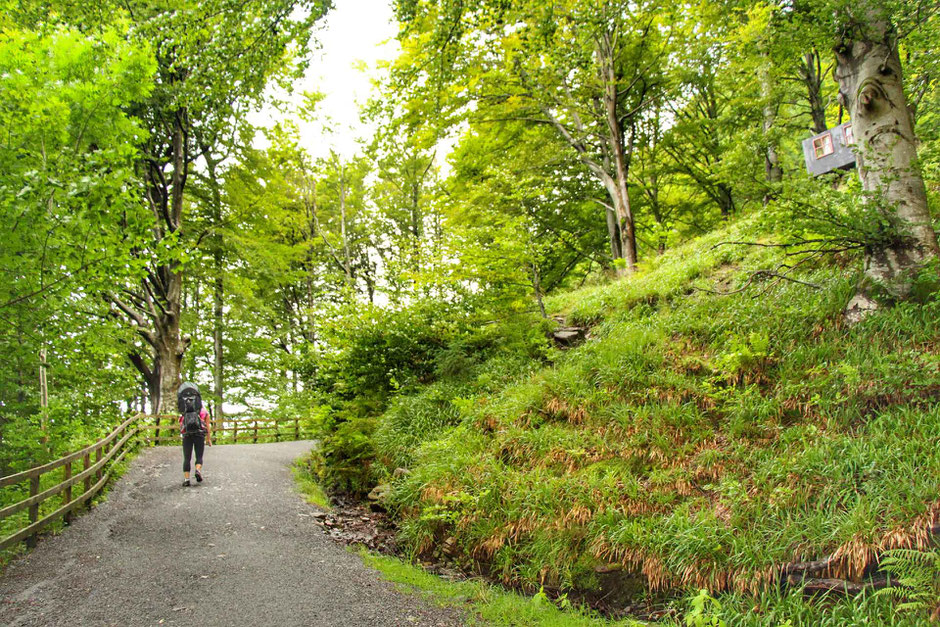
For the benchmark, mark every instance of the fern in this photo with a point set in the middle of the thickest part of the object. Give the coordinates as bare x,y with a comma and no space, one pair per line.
915,576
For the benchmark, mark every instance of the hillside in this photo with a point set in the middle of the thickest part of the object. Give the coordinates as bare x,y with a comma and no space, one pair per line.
695,440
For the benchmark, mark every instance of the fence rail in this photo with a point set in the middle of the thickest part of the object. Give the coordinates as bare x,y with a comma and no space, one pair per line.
250,429
108,451
99,459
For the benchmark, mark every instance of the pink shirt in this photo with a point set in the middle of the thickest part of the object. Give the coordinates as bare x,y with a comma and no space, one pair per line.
205,420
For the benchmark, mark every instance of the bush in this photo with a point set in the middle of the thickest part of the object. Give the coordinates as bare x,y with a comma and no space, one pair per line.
346,457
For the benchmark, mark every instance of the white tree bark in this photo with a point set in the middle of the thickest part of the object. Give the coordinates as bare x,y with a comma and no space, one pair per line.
868,69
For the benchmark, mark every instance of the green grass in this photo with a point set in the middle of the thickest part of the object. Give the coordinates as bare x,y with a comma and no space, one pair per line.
484,603
697,439
307,484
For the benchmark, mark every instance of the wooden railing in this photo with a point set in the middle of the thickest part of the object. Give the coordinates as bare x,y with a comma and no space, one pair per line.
98,461
107,452
244,430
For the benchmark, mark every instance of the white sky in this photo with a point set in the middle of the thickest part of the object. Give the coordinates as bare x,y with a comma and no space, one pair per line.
354,33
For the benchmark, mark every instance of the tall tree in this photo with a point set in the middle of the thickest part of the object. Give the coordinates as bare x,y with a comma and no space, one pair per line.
588,70
871,88
68,223
213,58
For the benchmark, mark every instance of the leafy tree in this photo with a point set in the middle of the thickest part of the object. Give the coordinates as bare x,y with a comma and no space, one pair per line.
68,220
214,61
588,70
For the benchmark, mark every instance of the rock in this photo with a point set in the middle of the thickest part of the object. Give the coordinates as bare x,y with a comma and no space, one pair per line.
400,472
319,515
380,492
859,308
607,568
449,547
569,336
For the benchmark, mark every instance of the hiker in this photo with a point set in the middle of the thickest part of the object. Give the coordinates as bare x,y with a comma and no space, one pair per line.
194,427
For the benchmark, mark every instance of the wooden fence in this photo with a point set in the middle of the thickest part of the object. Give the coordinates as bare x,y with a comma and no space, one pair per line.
239,430
107,452
98,461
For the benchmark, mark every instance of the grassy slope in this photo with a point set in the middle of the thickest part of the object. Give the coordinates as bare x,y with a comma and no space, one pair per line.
699,439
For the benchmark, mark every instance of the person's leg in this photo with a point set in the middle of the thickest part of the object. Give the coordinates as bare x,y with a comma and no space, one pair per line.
199,443
187,455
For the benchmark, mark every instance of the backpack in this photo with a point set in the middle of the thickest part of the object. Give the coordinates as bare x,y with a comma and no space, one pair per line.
189,404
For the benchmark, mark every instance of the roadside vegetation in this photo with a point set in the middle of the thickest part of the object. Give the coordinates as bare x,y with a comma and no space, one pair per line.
696,440
600,307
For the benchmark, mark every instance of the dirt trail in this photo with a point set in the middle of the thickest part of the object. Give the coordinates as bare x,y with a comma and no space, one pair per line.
242,548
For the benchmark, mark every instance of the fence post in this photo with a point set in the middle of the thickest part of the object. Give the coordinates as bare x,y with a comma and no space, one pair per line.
67,495
296,428
33,509
86,461
277,431
254,438
98,459
235,432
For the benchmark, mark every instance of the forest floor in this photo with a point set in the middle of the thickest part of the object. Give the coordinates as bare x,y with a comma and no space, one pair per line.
242,548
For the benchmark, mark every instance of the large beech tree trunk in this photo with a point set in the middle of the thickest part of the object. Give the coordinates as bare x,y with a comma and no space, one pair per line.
868,70
153,308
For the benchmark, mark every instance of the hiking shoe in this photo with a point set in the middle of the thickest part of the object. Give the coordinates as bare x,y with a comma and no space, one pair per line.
198,476
186,483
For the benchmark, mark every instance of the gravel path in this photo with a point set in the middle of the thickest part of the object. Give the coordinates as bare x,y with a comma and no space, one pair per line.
239,549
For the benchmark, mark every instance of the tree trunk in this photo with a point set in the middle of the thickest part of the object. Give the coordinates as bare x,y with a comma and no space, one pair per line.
537,288
416,220
169,363
218,294
615,138
870,86
170,346
772,171
154,311
613,230
811,74
347,263
218,321
310,201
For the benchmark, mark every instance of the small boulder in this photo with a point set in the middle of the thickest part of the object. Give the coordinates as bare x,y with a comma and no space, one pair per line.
400,472
449,547
566,337
380,493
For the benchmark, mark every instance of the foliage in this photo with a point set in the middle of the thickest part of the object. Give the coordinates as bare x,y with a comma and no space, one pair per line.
702,611
695,437
916,579
409,369
69,224
307,484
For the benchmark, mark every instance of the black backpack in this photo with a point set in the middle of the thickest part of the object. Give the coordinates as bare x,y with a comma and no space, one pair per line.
189,404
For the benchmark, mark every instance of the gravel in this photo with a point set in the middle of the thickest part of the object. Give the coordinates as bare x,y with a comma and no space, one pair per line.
242,548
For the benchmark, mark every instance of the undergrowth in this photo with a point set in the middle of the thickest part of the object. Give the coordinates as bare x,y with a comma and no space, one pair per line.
704,436
306,483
